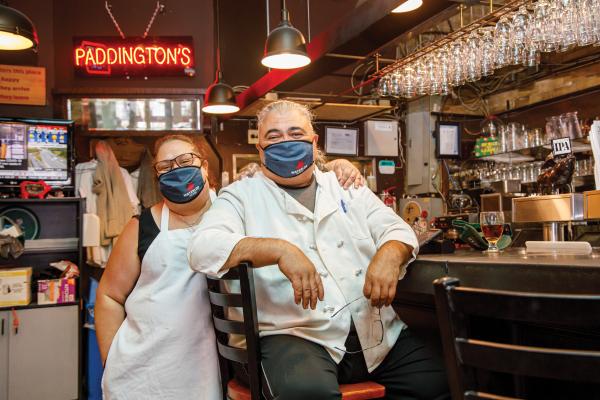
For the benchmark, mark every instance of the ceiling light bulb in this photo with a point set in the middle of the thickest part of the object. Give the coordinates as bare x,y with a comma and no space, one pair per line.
408,5
285,61
10,41
220,109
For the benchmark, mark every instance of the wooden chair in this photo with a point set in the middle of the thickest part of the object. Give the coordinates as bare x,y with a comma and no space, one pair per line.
250,356
465,355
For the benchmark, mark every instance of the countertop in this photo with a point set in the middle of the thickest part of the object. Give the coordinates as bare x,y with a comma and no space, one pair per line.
517,256
512,269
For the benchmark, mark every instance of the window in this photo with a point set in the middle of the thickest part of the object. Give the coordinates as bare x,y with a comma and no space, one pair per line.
130,114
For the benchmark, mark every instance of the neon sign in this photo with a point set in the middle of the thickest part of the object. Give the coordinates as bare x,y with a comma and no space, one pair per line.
130,57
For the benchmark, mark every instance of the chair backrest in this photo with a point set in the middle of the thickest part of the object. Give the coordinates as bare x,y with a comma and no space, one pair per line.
463,354
220,300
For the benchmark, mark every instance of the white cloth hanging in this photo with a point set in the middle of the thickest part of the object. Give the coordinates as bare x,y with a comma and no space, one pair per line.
84,181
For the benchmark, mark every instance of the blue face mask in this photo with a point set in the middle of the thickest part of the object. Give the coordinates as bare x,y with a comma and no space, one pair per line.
181,185
289,159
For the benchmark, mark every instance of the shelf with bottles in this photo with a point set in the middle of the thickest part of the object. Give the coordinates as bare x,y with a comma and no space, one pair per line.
515,142
482,172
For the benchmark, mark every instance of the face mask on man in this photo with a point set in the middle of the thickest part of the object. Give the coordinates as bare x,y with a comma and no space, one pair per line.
181,185
289,159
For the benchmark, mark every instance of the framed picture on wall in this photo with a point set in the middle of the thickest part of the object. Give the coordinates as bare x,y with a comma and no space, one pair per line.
242,161
448,139
341,141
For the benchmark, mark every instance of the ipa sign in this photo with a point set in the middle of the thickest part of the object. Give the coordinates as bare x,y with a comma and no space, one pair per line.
107,56
561,146
22,85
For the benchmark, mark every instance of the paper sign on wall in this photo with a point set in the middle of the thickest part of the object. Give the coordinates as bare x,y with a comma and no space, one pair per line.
22,85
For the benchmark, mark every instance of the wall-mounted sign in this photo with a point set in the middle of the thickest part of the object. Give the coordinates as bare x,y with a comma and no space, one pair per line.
22,85
106,56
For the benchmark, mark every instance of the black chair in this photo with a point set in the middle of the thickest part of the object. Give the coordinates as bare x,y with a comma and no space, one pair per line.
249,357
464,356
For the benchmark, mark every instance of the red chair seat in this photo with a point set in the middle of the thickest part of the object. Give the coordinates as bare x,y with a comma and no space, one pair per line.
352,391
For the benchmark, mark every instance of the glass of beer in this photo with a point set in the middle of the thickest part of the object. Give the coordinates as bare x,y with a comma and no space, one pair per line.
492,225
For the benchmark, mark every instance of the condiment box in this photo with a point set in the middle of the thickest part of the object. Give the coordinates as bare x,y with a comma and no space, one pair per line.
15,286
56,291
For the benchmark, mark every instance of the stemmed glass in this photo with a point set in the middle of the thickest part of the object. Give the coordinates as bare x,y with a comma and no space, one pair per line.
568,24
395,84
422,81
502,38
443,60
457,72
488,52
518,35
473,57
433,71
409,85
384,87
492,226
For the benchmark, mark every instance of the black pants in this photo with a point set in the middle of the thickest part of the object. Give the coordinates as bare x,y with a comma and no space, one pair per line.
297,369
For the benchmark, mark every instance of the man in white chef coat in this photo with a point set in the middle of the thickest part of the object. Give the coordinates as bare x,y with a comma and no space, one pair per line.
327,264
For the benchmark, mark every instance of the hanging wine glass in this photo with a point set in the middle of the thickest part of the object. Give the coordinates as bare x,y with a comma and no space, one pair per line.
409,82
531,54
443,60
488,52
585,26
457,71
502,38
433,72
422,81
395,84
542,26
473,57
568,24
384,86
518,35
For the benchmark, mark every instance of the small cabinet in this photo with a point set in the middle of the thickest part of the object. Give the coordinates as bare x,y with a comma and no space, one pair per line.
4,331
43,354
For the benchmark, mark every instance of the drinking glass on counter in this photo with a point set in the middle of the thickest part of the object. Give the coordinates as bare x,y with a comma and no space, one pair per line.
492,225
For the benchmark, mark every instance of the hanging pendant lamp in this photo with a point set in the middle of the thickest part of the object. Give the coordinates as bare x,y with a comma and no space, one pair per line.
285,47
17,32
408,5
219,97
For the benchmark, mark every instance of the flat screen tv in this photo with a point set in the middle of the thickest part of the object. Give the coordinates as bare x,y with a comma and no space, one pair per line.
36,149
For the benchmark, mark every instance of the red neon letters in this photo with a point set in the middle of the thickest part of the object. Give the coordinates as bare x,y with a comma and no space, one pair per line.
133,56
128,55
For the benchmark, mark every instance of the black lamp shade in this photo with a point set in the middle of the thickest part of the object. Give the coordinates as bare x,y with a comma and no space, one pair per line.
285,48
17,32
219,99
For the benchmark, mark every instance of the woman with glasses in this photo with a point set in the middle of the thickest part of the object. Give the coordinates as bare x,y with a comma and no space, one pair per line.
153,319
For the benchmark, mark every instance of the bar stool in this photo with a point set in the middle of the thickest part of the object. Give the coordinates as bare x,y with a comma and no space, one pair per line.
220,300
465,355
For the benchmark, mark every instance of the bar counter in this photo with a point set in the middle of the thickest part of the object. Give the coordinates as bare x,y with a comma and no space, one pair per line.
512,269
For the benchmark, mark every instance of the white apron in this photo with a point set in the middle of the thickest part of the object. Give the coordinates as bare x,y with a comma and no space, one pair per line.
166,346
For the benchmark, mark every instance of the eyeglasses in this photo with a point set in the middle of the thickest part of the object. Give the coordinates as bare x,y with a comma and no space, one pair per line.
182,160
377,325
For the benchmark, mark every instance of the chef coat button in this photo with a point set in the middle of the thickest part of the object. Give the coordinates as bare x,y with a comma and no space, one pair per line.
340,243
324,274
312,247
357,271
